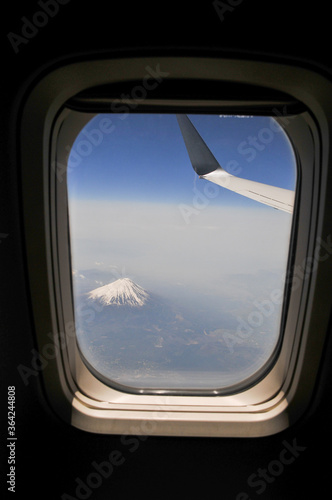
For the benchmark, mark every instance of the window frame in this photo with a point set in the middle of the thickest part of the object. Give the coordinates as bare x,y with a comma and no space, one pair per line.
69,122
281,395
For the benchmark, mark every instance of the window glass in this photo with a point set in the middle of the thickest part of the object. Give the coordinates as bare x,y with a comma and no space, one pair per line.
178,281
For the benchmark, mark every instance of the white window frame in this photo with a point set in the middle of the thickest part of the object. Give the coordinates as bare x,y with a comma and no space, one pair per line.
281,395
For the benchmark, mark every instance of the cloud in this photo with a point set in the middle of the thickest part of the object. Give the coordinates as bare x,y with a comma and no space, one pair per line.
153,242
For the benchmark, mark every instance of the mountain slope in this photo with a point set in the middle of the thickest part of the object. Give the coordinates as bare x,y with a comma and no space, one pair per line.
122,292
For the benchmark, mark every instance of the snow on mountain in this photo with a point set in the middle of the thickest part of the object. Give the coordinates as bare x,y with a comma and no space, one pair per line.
122,292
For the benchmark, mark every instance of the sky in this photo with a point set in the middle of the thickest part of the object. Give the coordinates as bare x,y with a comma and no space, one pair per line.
143,157
137,204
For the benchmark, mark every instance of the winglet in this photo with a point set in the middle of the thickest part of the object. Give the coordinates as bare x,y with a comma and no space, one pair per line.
201,158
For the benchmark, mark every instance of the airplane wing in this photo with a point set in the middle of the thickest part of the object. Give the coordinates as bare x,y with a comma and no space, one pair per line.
207,167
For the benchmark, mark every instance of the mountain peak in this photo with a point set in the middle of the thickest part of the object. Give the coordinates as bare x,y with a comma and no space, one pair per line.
122,292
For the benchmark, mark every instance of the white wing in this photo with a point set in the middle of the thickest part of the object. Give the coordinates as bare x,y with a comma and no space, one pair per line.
207,167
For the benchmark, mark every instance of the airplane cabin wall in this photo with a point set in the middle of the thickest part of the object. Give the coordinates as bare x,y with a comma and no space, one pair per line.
54,458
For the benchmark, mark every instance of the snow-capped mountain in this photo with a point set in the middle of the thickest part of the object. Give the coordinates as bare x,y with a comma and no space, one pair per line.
122,292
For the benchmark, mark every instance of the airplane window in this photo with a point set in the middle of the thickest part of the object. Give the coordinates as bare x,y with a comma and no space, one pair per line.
180,228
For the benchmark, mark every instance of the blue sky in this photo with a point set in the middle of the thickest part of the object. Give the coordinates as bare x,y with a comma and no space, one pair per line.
144,158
